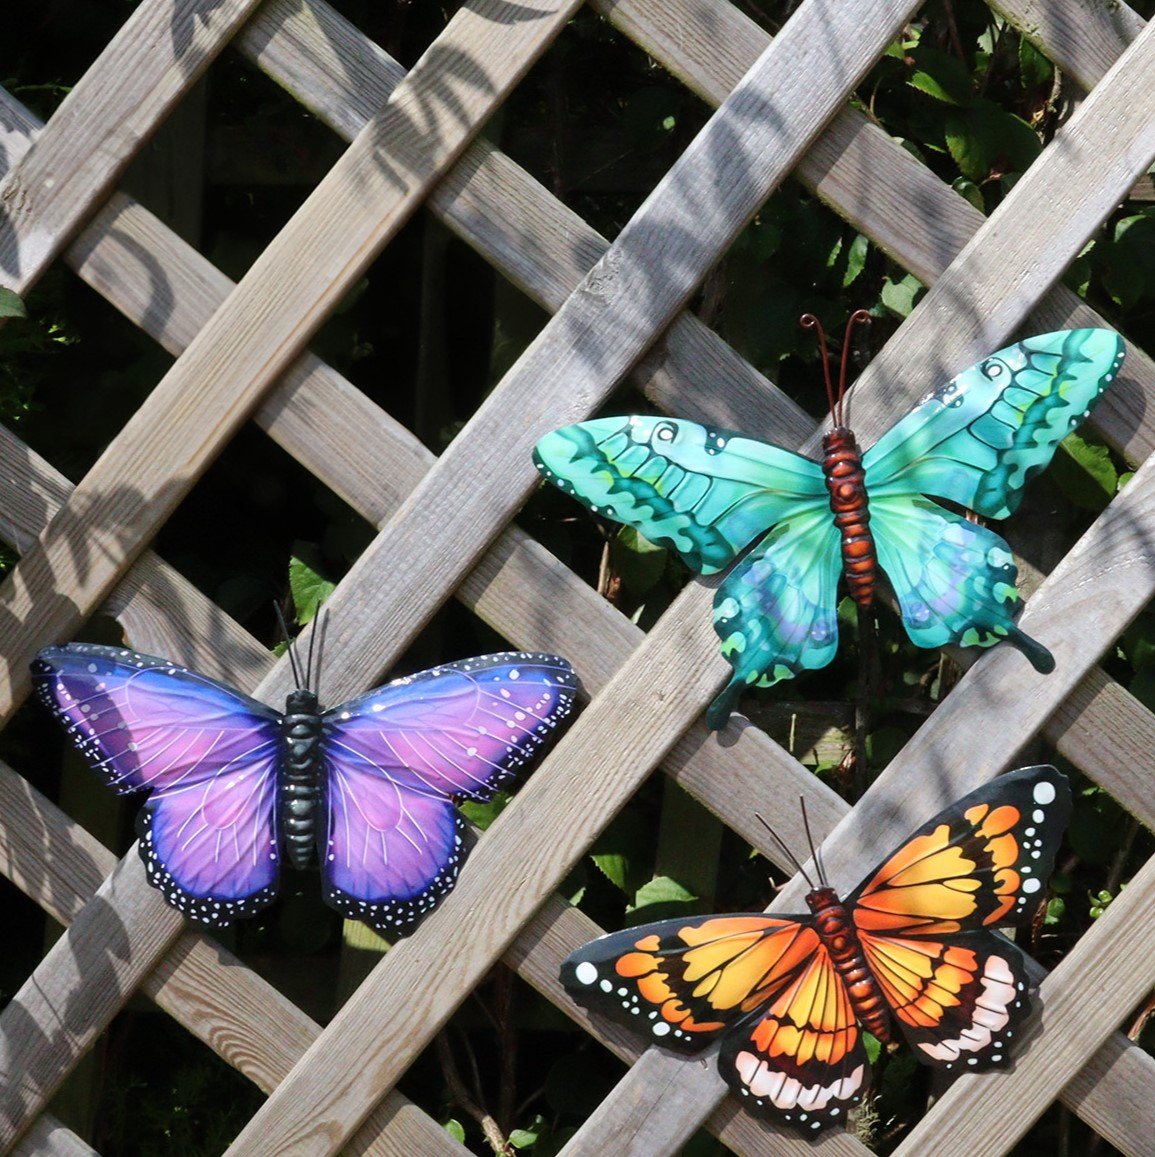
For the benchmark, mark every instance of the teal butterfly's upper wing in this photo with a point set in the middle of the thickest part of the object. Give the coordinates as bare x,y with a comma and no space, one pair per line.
777,611
704,493
981,438
954,579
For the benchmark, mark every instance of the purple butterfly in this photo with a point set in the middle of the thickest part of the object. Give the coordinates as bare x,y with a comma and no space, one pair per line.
370,783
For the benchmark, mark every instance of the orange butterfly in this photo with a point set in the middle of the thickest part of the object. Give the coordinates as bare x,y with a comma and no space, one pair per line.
910,947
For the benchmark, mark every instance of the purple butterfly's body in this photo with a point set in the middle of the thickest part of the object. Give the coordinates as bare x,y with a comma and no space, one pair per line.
369,784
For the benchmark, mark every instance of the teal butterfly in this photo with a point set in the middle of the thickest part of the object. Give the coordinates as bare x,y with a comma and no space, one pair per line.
707,494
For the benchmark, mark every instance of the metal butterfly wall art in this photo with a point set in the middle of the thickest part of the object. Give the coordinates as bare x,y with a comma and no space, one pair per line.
709,494
369,785
910,954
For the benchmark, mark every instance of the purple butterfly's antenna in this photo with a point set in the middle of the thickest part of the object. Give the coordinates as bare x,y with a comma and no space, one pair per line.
301,680
786,851
809,321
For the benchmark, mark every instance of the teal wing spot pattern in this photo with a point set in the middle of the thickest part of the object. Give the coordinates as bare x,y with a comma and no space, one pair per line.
777,611
954,580
704,493
980,439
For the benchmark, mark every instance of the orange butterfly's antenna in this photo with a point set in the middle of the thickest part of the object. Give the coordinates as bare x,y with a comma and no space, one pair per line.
809,321
785,850
815,855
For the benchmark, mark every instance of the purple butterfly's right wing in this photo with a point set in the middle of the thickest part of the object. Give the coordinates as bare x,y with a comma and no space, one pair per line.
395,760
208,754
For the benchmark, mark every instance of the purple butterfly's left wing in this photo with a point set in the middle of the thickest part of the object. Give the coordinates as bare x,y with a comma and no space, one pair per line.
207,753
396,759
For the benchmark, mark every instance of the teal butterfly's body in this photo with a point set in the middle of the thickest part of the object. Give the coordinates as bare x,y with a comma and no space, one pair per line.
708,494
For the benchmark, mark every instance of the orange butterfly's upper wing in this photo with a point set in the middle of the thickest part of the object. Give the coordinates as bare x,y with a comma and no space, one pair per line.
791,1045
958,991
975,865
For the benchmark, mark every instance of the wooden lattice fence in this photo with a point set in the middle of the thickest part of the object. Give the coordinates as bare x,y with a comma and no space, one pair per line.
783,111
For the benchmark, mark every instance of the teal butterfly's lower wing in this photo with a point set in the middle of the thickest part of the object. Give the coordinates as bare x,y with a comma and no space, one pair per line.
982,437
954,579
777,611
704,493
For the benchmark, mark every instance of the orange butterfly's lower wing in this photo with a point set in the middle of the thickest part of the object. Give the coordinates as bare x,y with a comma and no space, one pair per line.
960,1002
688,980
803,1060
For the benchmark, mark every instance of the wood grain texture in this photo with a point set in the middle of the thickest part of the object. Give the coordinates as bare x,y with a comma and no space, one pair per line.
49,1138
1083,37
737,156
365,198
620,307
160,52
870,180
223,1002
289,407
1120,535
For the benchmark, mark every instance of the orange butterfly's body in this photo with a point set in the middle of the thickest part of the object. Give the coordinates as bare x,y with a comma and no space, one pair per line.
846,481
909,954
836,930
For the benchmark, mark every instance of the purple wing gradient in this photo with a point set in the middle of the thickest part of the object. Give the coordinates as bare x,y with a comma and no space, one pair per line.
209,755
397,757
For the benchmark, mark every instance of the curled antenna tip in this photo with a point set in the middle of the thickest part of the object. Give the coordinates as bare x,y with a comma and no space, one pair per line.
808,321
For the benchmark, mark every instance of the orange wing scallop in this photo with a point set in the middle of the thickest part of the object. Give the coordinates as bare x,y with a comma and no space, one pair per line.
803,1060
958,1003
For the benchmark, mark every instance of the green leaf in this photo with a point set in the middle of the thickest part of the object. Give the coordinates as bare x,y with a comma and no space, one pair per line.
873,1047
483,814
455,1130
966,188
614,866
308,588
659,899
1035,69
11,304
985,140
1056,909
1085,473
856,259
941,76
899,296
637,561
527,1138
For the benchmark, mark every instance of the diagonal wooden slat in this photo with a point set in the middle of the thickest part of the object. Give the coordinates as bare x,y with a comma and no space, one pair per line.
1118,535
270,315
300,1113
159,54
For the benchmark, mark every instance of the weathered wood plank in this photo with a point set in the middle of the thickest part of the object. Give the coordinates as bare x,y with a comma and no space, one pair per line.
1082,37
156,458
160,52
920,222
717,184
49,1138
1040,200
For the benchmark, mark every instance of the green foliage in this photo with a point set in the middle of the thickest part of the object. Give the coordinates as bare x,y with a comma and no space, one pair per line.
308,588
